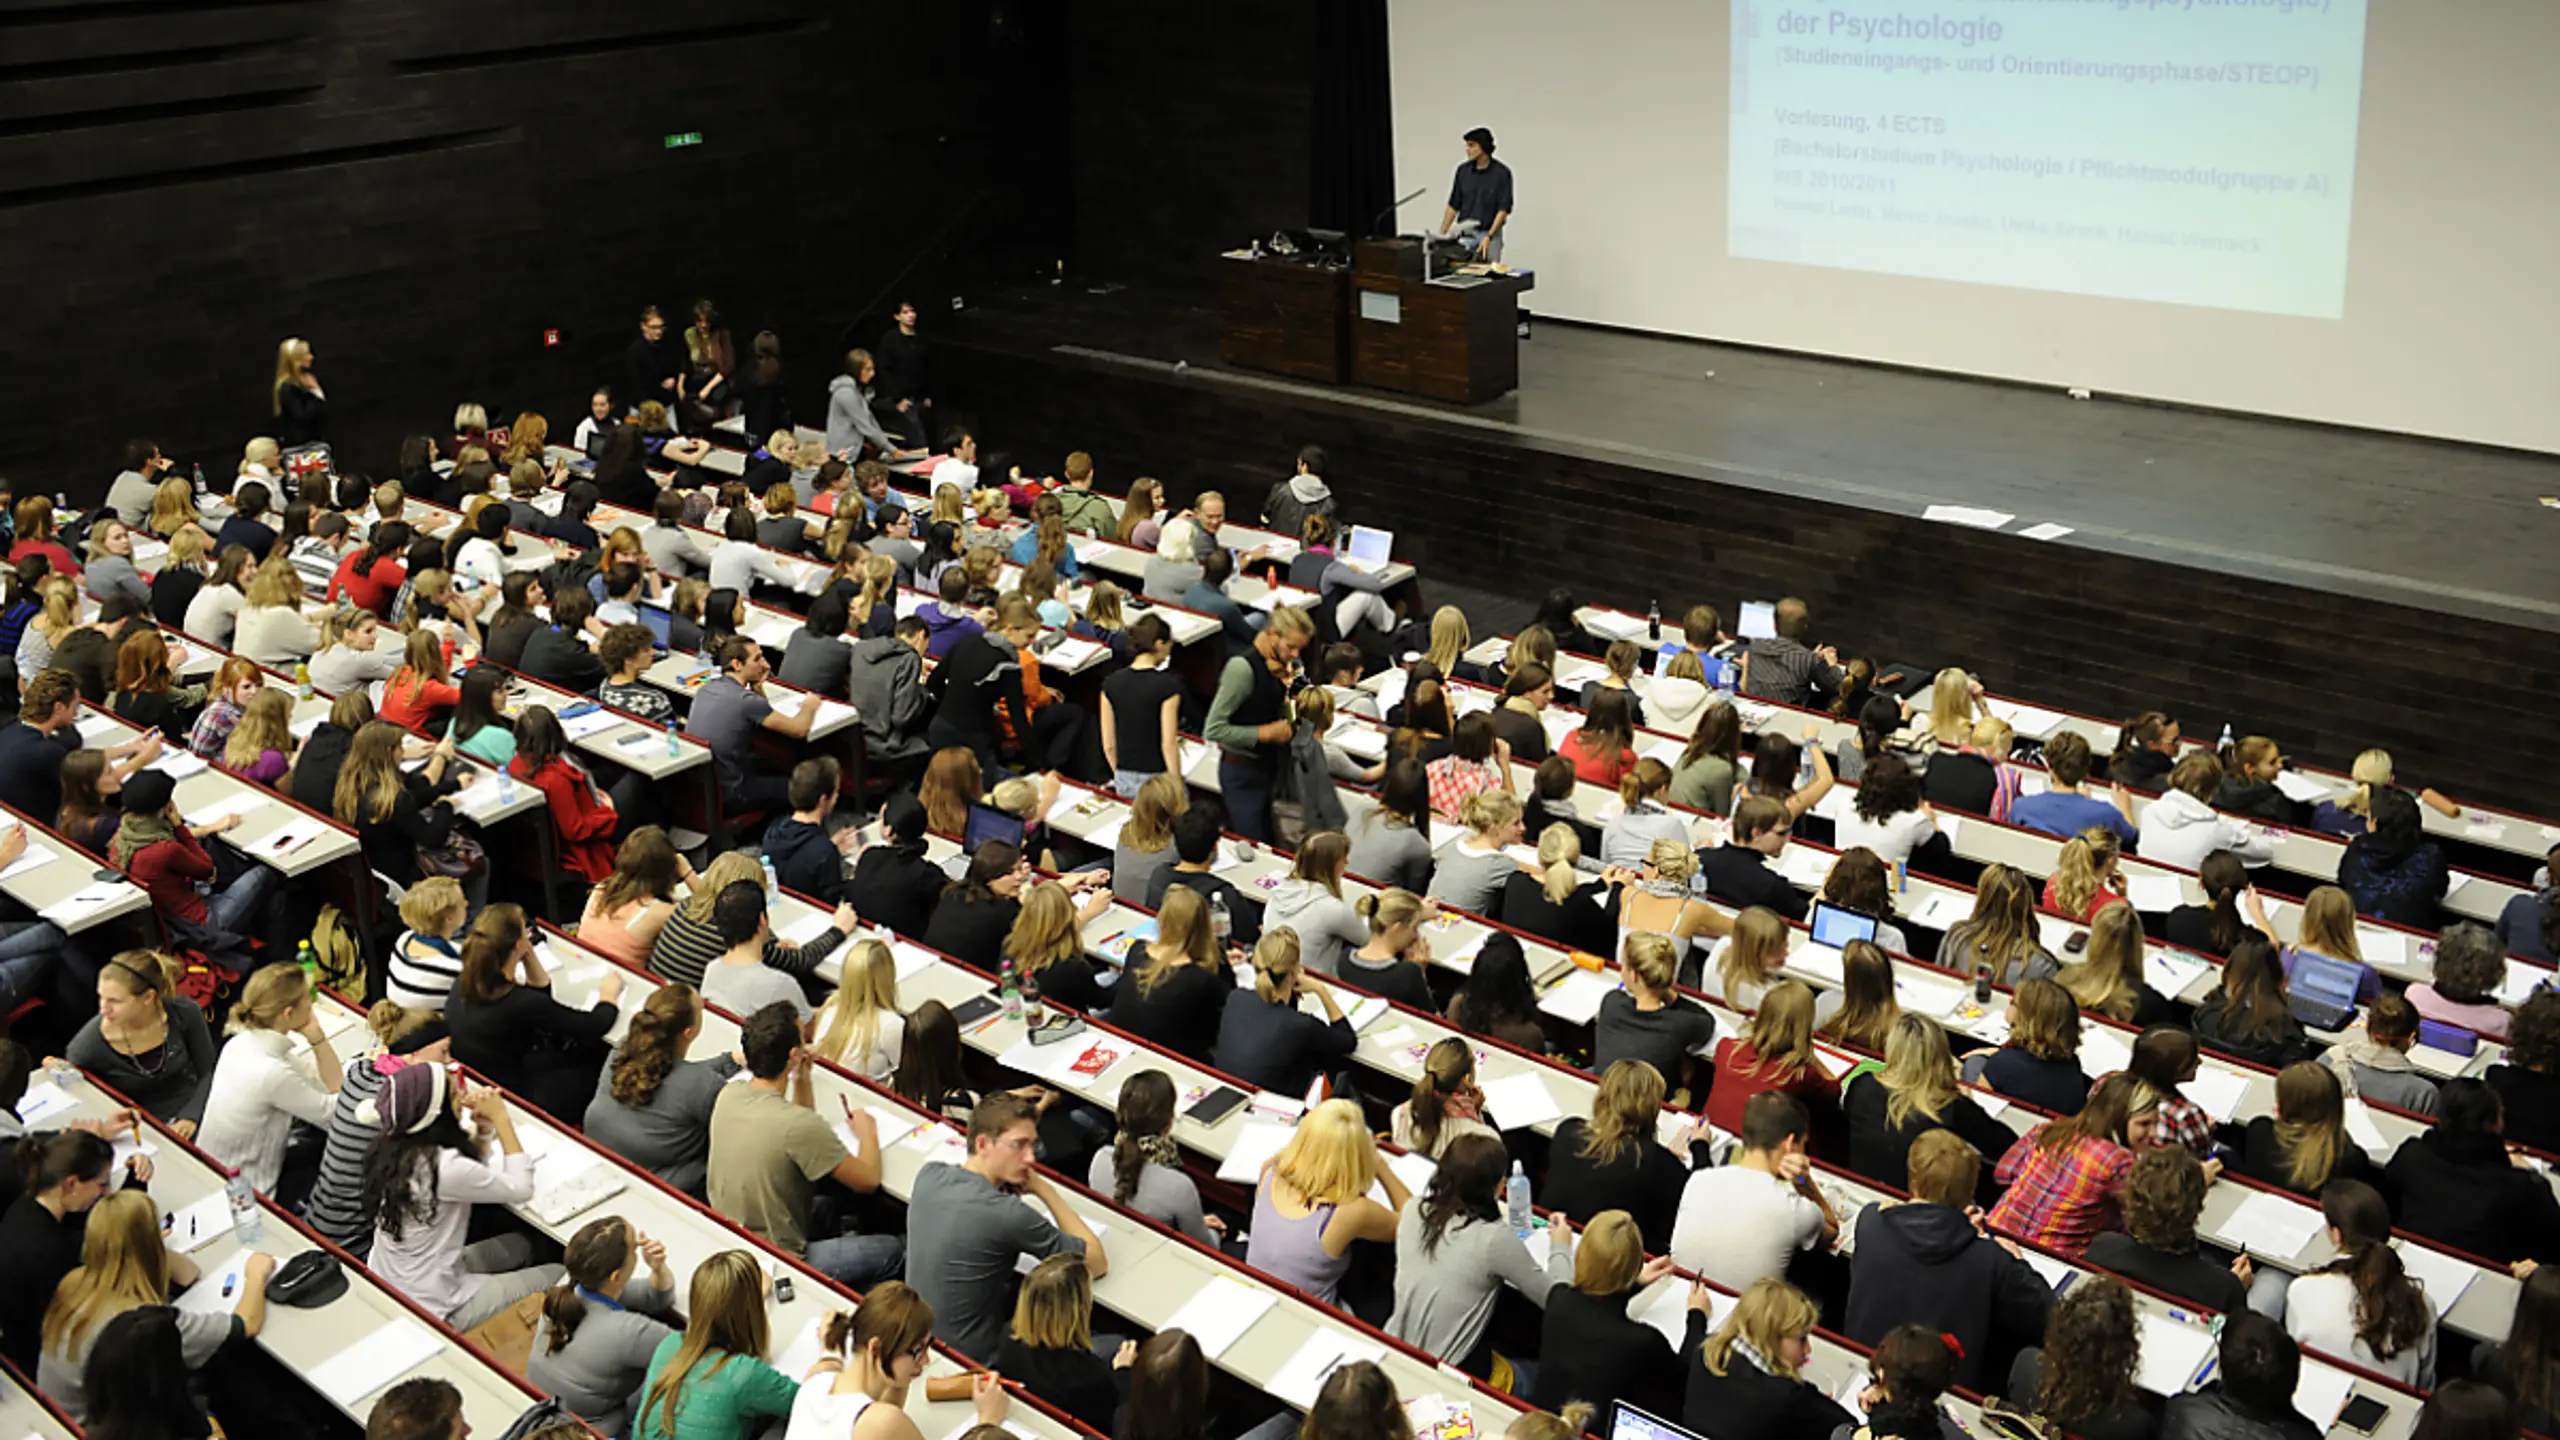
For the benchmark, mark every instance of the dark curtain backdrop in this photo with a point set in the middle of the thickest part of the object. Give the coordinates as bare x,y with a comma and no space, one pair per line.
1352,168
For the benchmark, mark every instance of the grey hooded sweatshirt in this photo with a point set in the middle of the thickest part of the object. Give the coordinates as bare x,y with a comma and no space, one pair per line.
887,689
849,418
1292,500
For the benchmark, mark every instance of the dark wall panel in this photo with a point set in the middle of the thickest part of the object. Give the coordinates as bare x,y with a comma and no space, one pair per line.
2457,700
422,189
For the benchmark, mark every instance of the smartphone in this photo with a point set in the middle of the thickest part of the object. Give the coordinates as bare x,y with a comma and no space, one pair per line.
782,1289
2362,1414
2078,942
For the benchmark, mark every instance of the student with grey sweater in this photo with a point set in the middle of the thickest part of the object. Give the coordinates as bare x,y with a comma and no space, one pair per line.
1455,1252
1156,1186
739,981
1469,872
600,1326
1391,841
652,1106
1309,901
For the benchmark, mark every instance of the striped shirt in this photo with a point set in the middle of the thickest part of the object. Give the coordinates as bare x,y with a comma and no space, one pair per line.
423,971
336,1206
686,946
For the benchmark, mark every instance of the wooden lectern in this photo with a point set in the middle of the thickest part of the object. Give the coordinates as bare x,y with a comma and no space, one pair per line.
1381,323
1455,338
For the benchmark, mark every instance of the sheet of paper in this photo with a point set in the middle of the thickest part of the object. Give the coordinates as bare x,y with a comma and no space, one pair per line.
2518,987
803,1350
1256,1141
179,764
97,727
2384,950
374,1362
2054,1270
36,856
238,802
1520,1100
1666,1308
43,1101
1105,833
2296,786
2172,974
805,927
73,909
2367,1135
2271,1225
893,1125
205,1297
1819,961
1968,515
1300,1379
198,1225
2104,1051
2216,1091
2045,531
2321,1392
1576,998
2154,894
1925,998
2172,1352
1218,1314
912,960
2447,1278
579,727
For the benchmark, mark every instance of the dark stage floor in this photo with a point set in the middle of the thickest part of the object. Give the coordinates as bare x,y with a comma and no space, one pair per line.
2416,522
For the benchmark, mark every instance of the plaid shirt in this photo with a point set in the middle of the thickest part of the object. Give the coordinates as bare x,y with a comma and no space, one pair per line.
2060,1199
1454,779
2181,1122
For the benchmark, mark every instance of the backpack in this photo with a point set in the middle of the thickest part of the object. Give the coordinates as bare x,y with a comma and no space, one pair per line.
333,944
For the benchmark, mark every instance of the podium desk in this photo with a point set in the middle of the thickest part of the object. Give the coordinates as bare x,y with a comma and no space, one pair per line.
1286,316
1455,338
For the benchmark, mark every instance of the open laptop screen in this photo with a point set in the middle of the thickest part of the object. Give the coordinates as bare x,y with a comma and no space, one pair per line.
1372,546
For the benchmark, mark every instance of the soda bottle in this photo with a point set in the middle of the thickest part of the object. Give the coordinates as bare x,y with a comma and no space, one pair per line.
1516,1200
1982,984
1653,621
302,679
1220,921
1009,991
309,960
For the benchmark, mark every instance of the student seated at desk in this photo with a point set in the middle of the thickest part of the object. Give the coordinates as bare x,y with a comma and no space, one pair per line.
2459,1186
806,858
148,1042
1738,871
1046,948
2328,928
2215,926
893,883
818,658
127,1264
2304,1146
272,628
1454,1255
507,1026
2001,935
2182,827
261,1086
420,696
1050,1346
729,709
166,856
882,1347
2394,872
1776,1052
335,1206
2082,1377
1208,595
652,1105
601,1325
1196,849
2040,1063
1174,988
2248,1018
978,910
688,941
712,1381
1746,1381
1468,873
1921,1262
627,652
2064,1176
1914,1092
1142,1168
258,750
2469,968
521,602
738,980
967,1225
556,654
770,1147
426,1171
627,909
860,1027
1265,1039
1613,1162
2108,979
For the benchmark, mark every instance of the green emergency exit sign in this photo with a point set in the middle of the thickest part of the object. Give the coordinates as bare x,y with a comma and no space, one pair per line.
690,137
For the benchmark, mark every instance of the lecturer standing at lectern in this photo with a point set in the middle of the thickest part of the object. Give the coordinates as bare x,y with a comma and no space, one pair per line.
1481,193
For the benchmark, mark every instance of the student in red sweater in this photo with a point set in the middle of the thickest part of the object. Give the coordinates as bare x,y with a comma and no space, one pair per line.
420,696
1604,748
166,857
370,576
1776,1053
582,816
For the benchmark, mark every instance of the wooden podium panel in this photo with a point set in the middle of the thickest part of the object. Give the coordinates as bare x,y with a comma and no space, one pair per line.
1286,317
1447,341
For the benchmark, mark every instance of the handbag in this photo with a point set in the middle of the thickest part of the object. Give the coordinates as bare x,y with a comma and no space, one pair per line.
458,858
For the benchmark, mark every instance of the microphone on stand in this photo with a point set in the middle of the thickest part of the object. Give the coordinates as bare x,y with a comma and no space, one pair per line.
1389,213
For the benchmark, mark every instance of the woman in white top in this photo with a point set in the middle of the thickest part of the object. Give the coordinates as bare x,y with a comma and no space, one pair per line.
740,562
1468,872
2182,827
272,629
482,559
425,1173
61,616
1888,817
874,1354
2364,1306
860,1026
215,611
260,1087
351,655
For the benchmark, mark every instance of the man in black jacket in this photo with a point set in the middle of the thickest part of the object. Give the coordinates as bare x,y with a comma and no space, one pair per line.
557,654
805,857
1738,870
2252,1397
653,368
981,673
885,680
893,883
1924,1262
1195,846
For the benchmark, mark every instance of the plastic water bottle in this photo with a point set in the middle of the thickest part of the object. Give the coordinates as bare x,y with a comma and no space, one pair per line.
247,1220
1516,1199
2225,742
1009,991
1220,921
1653,621
506,786
772,885
1804,765
675,747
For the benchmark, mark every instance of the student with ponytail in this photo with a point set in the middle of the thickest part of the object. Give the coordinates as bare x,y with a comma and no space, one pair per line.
1556,901
1265,1039
601,1324
2217,926
1142,1169
66,1173
1395,961
261,1086
2364,1306
874,1355
652,1106
1643,820
1445,1104
408,1036
2084,880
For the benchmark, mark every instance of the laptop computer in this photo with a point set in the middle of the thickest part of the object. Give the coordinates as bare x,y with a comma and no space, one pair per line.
1630,1423
1371,547
2322,990
988,823
1836,927
661,622
1759,620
